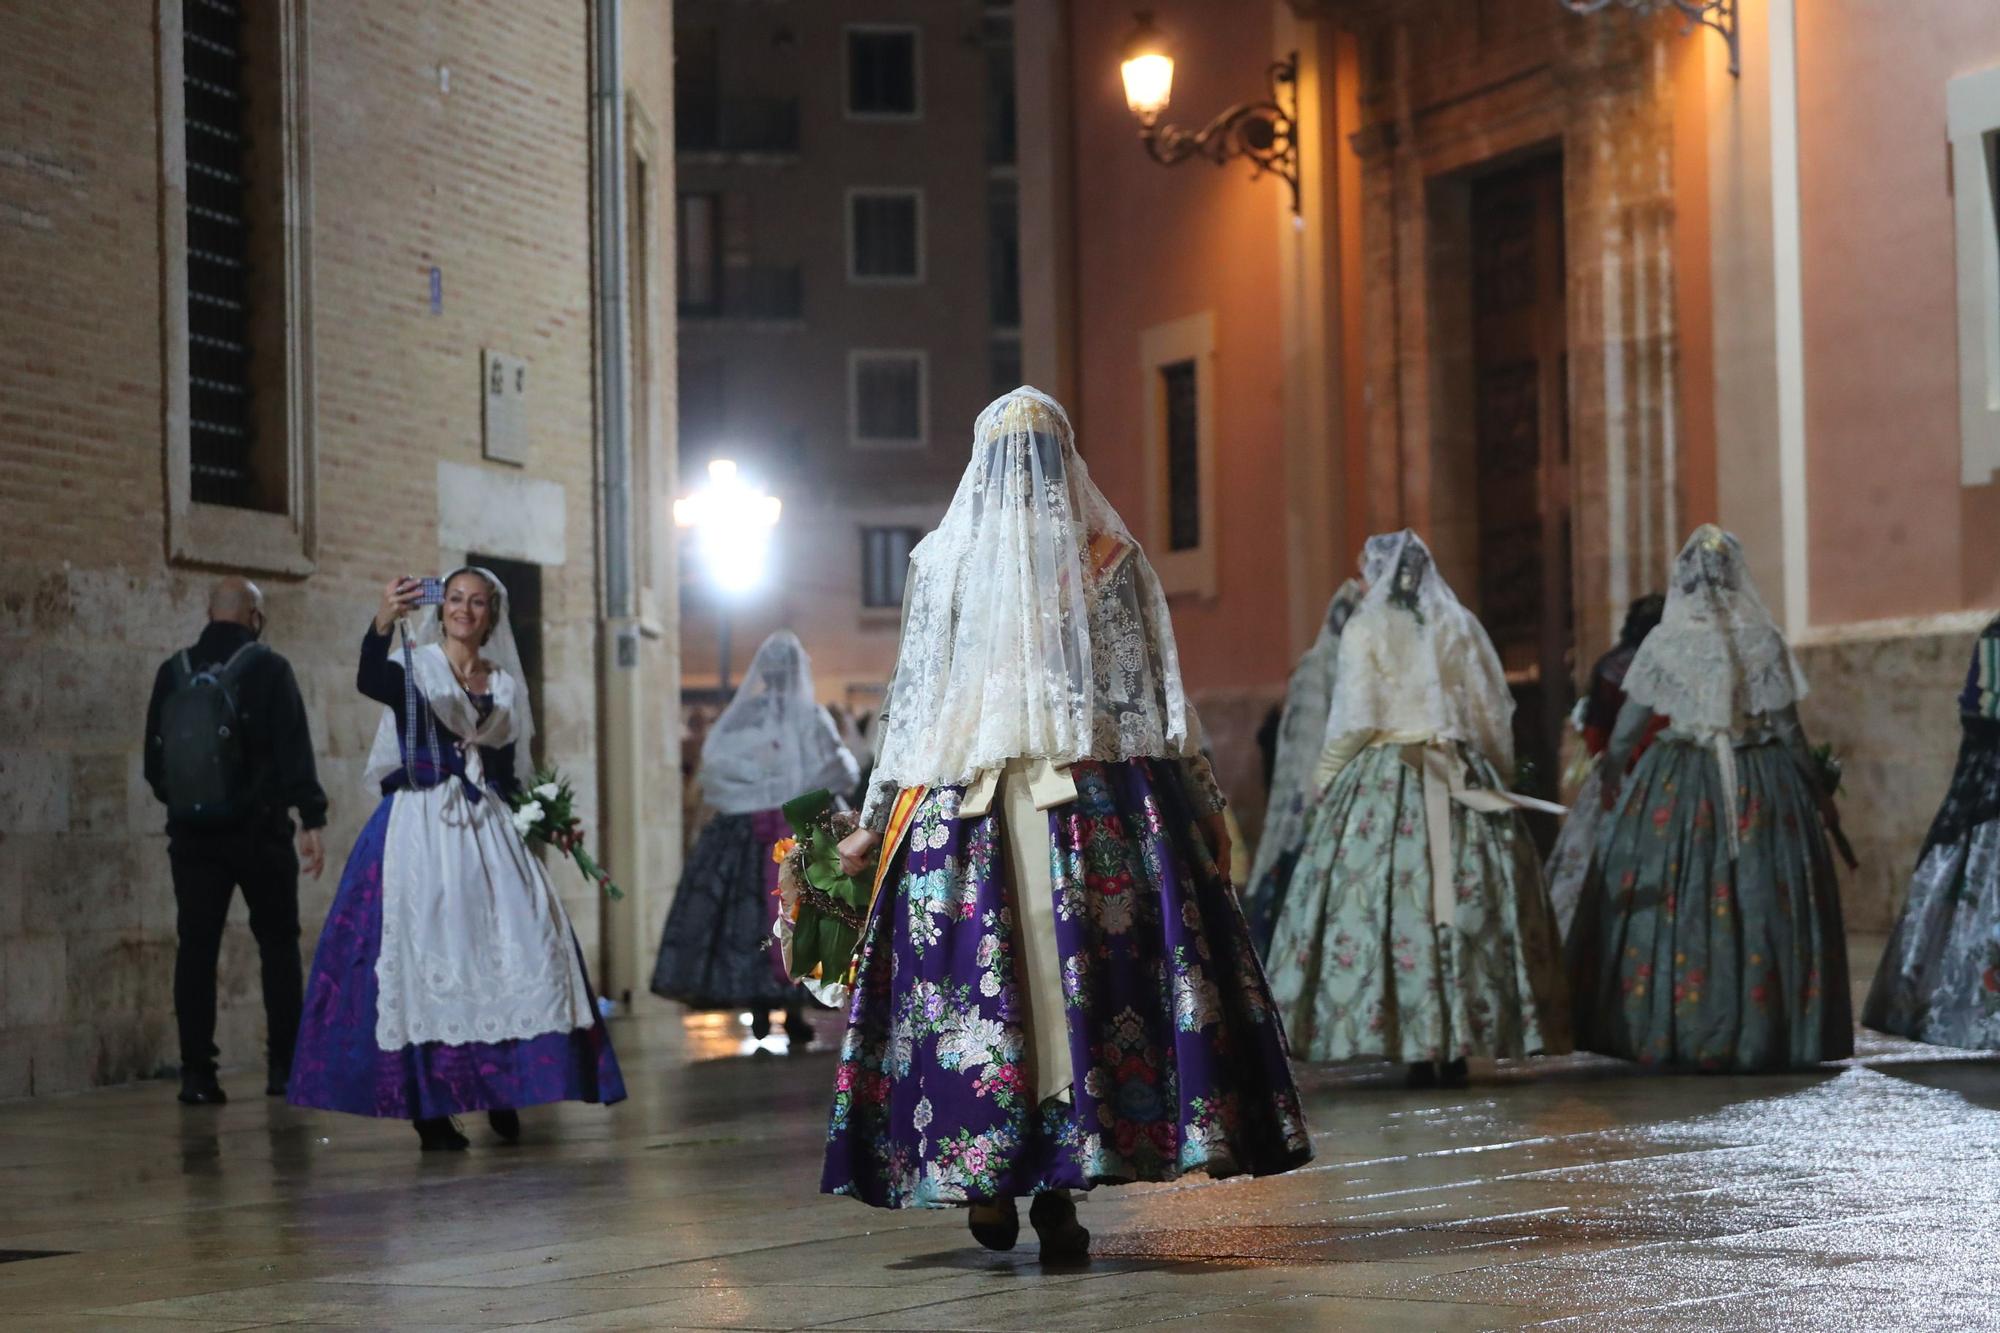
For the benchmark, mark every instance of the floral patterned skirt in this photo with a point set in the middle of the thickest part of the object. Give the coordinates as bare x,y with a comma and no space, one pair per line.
338,1067
1939,981
1179,1058
1361,965
717,951
1681,956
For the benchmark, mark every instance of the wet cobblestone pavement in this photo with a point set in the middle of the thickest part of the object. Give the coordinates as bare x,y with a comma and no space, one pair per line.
1569,1194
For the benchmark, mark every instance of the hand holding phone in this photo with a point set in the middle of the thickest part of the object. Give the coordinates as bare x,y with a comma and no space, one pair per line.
430,592
400,597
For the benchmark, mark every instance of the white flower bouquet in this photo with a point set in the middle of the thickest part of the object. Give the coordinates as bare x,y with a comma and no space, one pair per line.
542,813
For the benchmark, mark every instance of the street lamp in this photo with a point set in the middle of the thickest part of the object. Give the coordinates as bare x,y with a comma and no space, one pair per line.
731,521
1265,134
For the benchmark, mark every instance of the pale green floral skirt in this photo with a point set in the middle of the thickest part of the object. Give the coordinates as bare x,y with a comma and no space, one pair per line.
1360,964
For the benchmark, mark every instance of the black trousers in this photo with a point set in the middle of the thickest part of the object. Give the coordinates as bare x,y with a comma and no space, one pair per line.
208,868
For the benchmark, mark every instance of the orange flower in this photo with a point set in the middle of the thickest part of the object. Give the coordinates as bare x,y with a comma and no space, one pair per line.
782,848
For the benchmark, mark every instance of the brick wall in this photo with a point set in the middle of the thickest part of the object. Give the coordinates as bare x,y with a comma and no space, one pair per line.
488,181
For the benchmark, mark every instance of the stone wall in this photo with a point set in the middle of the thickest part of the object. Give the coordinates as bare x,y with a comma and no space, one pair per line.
1885,697
440,135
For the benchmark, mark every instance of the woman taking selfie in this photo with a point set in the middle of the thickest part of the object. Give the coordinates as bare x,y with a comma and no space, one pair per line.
448,979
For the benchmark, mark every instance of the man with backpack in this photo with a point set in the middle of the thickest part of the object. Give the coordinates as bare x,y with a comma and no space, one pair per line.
229,753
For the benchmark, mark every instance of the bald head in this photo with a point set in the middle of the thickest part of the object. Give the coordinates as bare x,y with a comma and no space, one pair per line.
236,600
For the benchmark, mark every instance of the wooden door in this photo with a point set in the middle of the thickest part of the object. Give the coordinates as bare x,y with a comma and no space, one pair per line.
1521,428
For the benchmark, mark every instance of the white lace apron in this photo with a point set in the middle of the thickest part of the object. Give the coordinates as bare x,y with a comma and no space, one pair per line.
476,946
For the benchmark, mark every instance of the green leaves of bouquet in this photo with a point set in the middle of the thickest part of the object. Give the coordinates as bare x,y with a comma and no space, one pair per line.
830,905
543,813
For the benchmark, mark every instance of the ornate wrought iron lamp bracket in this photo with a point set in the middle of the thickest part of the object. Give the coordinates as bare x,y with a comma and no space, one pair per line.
1264,134
1717,14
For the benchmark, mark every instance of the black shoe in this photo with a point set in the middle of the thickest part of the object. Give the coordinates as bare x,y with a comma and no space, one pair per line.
201,1089
505,1123
1064,1239
798,1031
760,1023
999,1235
277,1080
1454,1075
440,1134
1421,1074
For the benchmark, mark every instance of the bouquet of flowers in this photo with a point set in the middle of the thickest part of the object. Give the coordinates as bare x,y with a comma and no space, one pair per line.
542,813
821,909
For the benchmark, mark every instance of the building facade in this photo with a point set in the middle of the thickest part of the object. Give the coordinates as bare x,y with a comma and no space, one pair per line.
317,293
848,300
1558,288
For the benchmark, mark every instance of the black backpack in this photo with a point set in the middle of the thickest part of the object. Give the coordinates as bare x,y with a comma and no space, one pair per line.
205,760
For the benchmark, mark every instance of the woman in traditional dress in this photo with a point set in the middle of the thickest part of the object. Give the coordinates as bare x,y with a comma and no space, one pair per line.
1596,715
1708,935
772,743
1939,981
1417,927
1055,987
448,979
1301,736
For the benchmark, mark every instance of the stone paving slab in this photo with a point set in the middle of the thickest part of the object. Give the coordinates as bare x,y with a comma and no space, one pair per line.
1574,1193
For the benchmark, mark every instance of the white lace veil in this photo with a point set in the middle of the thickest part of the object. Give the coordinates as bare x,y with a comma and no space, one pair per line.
512,718
1716,656
1302,734
774,741
1033,624
1415,662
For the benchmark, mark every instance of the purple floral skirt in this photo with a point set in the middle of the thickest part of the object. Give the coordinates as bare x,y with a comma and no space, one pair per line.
338,1066
1178,1052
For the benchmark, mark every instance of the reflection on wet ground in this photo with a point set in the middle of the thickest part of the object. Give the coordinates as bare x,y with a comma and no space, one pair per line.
1571,1193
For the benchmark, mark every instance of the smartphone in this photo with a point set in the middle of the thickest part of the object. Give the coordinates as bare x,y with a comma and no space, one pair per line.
430,592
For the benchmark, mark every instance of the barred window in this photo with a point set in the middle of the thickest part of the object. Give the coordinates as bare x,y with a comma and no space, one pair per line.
1183,457
885,235
887,394
238,416
221,426
699,259
1003,254
882,75
885,560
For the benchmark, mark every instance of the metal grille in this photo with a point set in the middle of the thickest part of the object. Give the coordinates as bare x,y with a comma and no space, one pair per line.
220,431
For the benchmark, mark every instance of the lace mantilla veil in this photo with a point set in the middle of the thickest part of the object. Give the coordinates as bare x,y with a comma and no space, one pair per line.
1033,625
1302,733
1415,662
1716,656
774,741
512,719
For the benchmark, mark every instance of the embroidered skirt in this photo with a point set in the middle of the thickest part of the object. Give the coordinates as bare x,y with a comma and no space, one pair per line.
1939,981
1177,1055
1366,964
1680,956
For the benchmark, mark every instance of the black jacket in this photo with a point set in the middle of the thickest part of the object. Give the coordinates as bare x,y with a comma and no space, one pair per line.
278,738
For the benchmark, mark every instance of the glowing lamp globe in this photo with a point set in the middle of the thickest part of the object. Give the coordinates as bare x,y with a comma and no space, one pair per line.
732,523
1148,71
